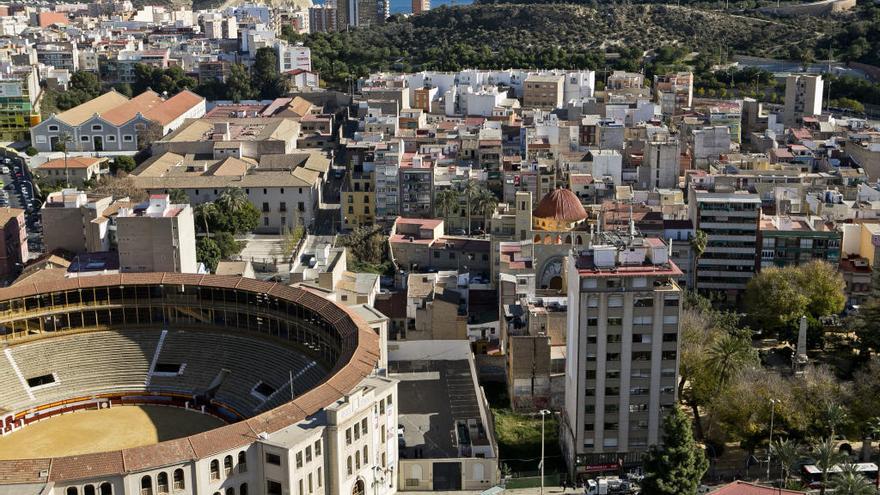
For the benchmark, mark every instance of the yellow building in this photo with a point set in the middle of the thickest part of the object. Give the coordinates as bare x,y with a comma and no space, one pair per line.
358,200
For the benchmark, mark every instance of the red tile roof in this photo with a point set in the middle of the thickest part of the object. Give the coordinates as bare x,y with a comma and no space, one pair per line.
745,488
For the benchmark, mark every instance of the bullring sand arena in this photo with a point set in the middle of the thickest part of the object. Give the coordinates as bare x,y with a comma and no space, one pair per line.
92,431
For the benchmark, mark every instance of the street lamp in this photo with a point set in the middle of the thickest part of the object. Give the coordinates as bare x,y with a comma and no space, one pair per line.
542,412
770,444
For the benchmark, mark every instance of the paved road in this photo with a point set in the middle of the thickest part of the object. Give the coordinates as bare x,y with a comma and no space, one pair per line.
18,192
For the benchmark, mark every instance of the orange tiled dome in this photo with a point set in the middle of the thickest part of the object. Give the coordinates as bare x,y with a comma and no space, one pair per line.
561,205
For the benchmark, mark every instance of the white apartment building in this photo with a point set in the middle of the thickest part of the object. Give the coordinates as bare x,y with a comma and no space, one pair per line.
622,351
296,57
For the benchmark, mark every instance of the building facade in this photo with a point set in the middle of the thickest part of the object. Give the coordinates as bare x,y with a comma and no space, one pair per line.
622,351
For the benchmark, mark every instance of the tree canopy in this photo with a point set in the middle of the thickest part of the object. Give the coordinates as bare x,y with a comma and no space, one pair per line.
677,467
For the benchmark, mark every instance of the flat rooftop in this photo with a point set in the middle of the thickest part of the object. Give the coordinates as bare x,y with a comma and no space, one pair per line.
434,396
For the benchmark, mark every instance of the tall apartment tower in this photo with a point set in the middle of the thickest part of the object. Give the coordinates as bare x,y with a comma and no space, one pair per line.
157,237
803,98
361,13
622,350
419,6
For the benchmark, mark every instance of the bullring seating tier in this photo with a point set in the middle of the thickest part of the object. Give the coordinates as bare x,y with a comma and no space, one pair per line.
109,361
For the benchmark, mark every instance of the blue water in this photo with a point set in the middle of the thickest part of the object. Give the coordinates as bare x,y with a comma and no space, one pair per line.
405,6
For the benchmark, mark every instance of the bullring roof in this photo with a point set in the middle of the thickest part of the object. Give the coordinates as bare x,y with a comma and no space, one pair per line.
358,358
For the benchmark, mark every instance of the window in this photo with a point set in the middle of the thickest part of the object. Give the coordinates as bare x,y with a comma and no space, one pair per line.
215,468
301,206
178,480
668,355
357,459
348,465
265,221
265,191
389,401
366,455
53,128
282,206
348,436
670,319
643,338
274,459
644,302
612,356
301,492
127,138
243,489
317,448
609,442
111,139
273,487
615,301
357,431
265,207
72,491
615,322
642,320
634,408
592,322
242,462
227,465
146,486
641,356
670,337
84,139
309,454
299,459
320,477
311,486
90,489
97,127
162,483
230,491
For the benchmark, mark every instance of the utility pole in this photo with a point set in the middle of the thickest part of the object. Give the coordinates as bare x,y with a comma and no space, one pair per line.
543,412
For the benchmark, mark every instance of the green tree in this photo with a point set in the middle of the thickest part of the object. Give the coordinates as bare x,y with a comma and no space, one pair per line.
677,467
238,84
786,452
123,163
446,203
867,322
485,203
777,297
471,190
208,252
236,213
827,456
266,76
87,82
851,481
698,244
205,216
178,197
227,244
366,244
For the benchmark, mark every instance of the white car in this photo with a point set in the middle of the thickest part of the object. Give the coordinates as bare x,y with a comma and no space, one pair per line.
4,169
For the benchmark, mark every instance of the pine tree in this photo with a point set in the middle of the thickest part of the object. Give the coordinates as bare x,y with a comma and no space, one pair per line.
677,467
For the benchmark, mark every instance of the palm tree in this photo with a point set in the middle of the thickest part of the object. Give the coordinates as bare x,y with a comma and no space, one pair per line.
205,211
827,456
698,243
232,200
729,354
849,481
471,189
485,203
786,453
835,416
447,202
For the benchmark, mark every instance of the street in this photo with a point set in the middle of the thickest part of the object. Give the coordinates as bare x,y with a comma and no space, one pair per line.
18,192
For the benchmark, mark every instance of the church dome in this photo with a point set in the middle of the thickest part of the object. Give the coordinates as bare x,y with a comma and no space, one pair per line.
561,205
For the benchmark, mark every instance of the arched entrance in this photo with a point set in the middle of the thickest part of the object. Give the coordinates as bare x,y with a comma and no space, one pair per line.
358,488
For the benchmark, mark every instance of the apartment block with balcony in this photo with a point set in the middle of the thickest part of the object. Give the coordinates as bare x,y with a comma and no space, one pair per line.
156,236
543,91
730,219
793,240
19,108
622,350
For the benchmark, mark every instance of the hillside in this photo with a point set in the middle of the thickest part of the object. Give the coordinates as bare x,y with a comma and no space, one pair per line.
545,36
